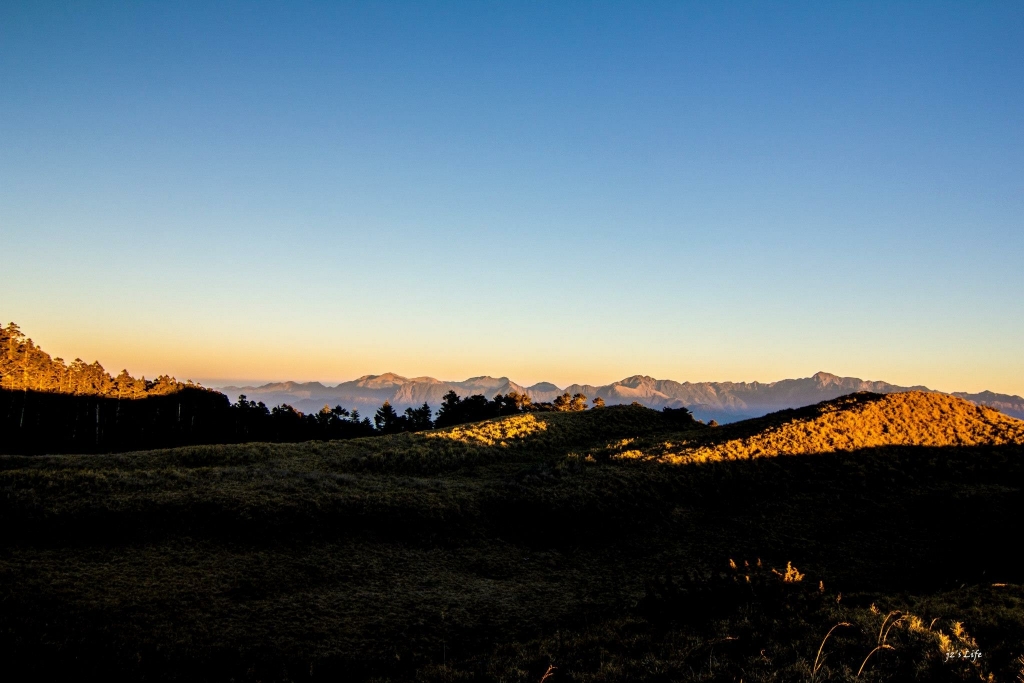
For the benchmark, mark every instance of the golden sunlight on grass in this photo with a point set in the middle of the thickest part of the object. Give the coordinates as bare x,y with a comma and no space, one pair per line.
493,432
851,423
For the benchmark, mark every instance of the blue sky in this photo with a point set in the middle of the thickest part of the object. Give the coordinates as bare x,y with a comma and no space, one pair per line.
571,192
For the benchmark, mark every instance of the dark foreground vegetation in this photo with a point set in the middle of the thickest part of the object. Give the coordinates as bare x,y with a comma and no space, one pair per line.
565,544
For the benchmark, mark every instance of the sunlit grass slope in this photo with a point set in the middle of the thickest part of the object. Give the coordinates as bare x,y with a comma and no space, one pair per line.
848,423
597,542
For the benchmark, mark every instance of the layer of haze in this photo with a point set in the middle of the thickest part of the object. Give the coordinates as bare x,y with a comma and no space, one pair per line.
571,192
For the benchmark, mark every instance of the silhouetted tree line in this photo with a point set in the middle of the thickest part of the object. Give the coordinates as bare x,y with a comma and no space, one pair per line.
51,422
33,422
256,422
455,410
252,421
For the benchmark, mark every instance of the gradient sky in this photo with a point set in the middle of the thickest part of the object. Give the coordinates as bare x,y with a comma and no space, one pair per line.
571,192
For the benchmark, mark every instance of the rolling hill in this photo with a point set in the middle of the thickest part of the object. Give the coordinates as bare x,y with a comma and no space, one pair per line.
617,544
851,423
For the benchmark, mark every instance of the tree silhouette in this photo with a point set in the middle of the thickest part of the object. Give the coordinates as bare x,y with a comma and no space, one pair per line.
418,419
681,415
387,420
449,403
476,407
449,412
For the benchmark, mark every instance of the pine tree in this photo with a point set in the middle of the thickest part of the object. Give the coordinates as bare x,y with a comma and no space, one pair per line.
387,420
449,412
418,419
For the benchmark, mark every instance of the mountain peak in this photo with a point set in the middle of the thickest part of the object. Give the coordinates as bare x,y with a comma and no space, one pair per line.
636,380
380,381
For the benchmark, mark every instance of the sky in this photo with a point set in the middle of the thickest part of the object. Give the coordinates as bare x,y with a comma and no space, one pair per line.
556,191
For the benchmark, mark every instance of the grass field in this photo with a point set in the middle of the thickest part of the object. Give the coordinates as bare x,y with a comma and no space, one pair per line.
618,544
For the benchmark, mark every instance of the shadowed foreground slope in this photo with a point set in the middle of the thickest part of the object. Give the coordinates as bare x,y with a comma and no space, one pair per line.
599,542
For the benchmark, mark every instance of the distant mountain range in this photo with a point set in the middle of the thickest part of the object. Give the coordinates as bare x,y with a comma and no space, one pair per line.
721,401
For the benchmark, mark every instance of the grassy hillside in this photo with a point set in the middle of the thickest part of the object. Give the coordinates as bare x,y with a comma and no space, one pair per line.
616,544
